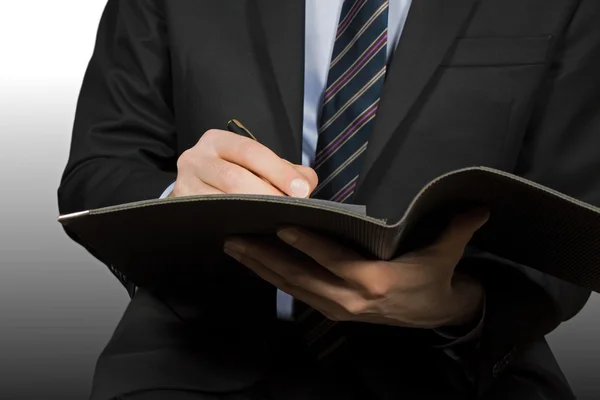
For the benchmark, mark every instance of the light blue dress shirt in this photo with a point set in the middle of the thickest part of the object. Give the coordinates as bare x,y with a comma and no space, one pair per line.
320,25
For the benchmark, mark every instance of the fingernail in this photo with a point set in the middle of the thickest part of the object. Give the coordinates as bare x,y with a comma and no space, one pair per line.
232,247
288,235
233,254
300,188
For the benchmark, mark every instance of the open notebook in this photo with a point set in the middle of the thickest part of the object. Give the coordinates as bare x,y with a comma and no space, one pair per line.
150,241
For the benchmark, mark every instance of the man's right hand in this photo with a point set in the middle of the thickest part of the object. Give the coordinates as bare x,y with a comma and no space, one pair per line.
225,162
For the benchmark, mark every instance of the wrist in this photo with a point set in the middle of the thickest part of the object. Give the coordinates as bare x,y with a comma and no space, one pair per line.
468,300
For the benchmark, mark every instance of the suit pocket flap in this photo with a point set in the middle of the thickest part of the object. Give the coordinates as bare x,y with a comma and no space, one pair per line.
490,51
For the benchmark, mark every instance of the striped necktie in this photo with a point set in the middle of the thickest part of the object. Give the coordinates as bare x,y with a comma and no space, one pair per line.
356,75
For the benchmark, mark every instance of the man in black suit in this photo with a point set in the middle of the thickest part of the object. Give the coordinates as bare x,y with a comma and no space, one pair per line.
357,101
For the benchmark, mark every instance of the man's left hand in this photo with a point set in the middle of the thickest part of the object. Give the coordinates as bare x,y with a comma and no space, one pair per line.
419,289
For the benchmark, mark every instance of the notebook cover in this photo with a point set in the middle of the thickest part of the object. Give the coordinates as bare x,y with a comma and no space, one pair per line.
150,242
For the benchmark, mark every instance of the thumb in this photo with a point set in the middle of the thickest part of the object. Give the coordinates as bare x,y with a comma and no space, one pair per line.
462,228
308,173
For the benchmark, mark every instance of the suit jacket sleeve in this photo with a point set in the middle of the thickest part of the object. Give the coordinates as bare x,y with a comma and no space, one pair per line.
123,143
561,149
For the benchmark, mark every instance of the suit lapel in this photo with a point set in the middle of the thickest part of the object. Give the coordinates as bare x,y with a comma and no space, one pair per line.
430,30
283,27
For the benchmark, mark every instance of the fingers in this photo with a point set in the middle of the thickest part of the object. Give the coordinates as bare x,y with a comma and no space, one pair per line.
299,277
231,178
284,270
320,303
339,260
325,305
260,160
376,277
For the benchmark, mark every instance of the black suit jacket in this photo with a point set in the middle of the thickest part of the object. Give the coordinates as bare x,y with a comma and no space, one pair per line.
509,84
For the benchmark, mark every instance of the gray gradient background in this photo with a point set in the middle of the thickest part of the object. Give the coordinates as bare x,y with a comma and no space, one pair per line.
58,306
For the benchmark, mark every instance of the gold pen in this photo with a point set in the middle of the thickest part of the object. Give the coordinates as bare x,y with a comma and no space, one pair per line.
236,126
